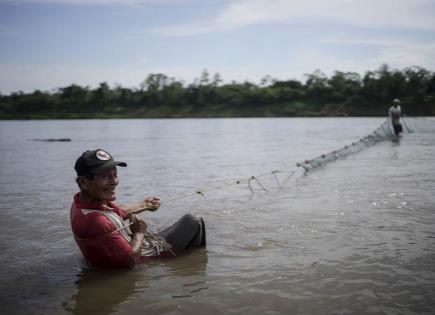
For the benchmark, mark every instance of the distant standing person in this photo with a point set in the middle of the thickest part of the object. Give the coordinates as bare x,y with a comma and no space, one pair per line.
395,112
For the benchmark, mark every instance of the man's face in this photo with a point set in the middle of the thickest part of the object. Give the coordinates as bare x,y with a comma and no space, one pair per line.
102,187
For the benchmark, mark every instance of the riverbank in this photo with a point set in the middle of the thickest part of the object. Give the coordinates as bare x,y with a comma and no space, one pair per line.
159,96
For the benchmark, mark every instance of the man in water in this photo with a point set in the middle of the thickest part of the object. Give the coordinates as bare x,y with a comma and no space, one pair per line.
110,236
395,112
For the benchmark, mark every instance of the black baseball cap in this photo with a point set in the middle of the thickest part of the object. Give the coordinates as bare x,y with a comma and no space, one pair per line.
94,162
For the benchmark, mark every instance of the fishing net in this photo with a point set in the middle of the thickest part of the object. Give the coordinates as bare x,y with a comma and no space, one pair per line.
383,133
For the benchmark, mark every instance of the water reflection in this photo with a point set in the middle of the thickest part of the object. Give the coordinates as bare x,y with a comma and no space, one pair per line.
103,292
396,140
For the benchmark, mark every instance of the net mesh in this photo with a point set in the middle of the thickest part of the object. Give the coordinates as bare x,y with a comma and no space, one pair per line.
383,133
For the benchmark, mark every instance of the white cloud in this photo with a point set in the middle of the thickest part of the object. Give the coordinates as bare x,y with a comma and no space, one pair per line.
369,13
398,53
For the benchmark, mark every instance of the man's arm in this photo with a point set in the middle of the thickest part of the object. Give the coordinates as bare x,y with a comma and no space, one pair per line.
149,204
138,228
136,244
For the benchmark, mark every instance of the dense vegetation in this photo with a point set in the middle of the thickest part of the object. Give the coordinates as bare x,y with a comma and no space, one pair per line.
342,94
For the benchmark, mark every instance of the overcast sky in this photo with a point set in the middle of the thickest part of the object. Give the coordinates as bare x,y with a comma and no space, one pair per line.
46,44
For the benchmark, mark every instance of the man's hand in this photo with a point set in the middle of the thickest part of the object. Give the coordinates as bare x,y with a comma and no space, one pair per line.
138,225
149,204
152,203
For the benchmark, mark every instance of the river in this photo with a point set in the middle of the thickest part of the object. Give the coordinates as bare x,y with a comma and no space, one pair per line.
354,236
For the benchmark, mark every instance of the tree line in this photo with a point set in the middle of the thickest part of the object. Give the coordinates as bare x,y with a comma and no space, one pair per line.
341,94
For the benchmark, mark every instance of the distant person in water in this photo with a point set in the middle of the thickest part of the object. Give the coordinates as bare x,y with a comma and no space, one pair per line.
395,113
110,236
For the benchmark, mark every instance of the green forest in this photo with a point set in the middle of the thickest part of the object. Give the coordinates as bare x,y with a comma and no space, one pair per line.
160,96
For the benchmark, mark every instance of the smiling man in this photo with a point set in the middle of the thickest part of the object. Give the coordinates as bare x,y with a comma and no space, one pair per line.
110,236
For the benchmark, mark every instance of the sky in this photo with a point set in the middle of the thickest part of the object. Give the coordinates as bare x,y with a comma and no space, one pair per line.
48,44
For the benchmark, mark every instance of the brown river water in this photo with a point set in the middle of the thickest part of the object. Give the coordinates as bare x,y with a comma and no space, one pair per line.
354,236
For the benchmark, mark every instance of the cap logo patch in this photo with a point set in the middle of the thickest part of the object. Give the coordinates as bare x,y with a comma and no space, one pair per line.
102,155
